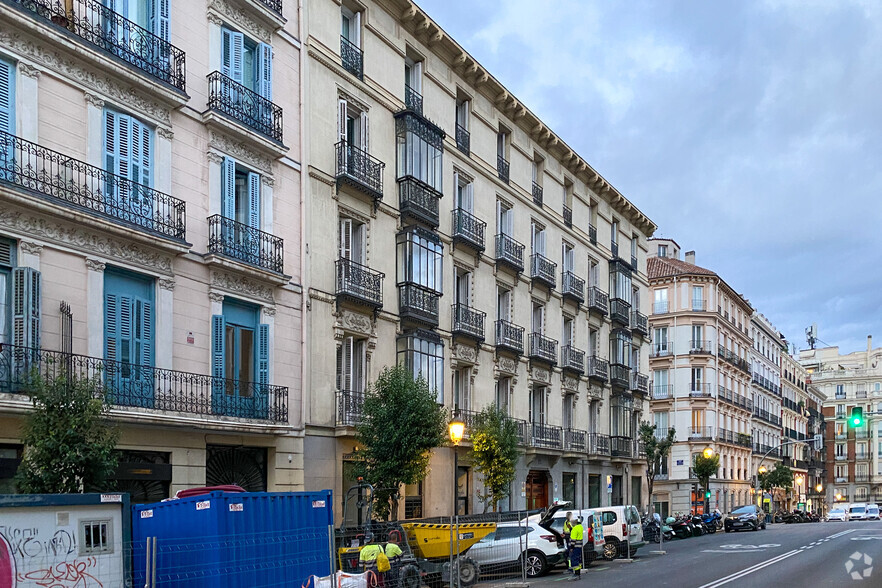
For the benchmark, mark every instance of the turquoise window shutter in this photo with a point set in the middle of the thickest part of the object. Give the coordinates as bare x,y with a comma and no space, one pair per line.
111,327
265,70
26,311
263,354
218,351
254,200
232,54
159,16
141,151
228,188
7,97
144,332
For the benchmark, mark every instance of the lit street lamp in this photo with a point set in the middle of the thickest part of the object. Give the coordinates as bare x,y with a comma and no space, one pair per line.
456,430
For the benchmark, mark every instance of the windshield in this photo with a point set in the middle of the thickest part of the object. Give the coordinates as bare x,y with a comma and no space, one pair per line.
858,509
744,510
837,511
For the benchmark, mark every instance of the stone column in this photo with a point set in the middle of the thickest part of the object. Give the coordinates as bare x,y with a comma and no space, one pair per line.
268,317
163,169
95,307
94,134
165,339
28,107
214,182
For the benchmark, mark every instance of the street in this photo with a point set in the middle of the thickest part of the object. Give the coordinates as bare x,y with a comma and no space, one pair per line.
800,555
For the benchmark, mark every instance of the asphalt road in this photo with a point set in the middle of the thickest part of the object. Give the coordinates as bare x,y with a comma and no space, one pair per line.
801,555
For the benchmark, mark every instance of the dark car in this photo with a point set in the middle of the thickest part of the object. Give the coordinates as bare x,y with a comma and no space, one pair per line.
745,518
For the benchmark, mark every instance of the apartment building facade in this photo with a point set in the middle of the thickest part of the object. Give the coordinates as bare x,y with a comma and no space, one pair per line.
852,453
765,360
150,230
452,231
701,382
794,422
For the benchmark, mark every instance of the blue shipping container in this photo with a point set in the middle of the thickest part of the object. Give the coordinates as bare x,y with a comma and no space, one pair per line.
231,540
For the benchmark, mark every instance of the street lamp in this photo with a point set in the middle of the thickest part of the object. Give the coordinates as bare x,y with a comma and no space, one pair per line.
708,452
839,496
819,488
456,430
762,469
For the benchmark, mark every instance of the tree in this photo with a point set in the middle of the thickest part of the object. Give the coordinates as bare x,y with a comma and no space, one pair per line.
68,438
656,452
780,477
494,453
402,421
704,468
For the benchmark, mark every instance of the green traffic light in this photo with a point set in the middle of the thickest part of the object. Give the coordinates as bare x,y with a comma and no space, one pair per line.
707,494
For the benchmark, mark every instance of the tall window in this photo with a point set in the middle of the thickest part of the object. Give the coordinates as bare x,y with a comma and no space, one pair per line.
614,236
661,423
537,241
537,405
567,411
463,108
128,152
7,262
413,74
351,26
698,298
129,317
620,281
660,341
660,381
503,392
504,218
620,347
422,353
240,194
697,336
538,318
240,359
503,303
352,240
7,107
462,389
465,195
593,273
247,62
351,365
592,342
420,254
568,331
420,150
502,144
567,257
697,378
352,125
463,286
620,416
662,250
660,305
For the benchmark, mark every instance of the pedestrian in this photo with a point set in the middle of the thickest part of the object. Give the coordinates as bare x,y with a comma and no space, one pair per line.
394,554
576,534
567,527
367,558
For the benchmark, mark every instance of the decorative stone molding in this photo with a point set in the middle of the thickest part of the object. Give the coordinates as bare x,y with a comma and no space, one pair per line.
215,19
242,285
541,375
95,265
241,19
267,181
359,104
167,284
507,365
29,70
570,383
165,133
241,151
216,296
322,177
355,322
77,238
32,248
269,311
214,157
465,353
94,100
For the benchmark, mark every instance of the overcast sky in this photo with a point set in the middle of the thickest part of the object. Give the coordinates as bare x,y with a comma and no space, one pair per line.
748,131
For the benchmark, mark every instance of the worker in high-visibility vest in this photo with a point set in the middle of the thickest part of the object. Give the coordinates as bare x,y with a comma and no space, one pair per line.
576,534
567,527
367,558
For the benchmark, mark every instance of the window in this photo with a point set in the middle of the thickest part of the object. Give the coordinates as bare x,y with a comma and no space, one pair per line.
568,331
351,26
538,318
634,248
697,378
537,240
150,16
248,63
841,450
567,257
538,168
592,342
420,150
593,273
537,405
422,353
697,337
95,537
502,144
7,103
351,362
614,237
463,110
462,389
662,250
463,286
7,263
660,341
661,420
569,402
463,490
620,281
352,240
503,303
620,347
660,306
503,392
465,196
504,218
660,381
129,332
128,153
698,298
413,75
240,195
697,419
240,344
420,254
352,125
620,416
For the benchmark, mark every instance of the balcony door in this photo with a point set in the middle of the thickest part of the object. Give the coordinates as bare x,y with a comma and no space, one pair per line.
567,257
240,361
463,287
128,155
465,197
240,205
128,337
537,242
152,16
538,318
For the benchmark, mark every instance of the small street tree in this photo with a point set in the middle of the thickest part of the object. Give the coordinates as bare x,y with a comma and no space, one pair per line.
704,468
781,477
402,422
494,454
68,438
657,450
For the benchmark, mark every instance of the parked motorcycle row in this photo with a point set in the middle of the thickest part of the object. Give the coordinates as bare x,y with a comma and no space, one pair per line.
681,527
797,516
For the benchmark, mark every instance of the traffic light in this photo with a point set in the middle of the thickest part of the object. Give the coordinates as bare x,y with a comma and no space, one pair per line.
857,416
707,494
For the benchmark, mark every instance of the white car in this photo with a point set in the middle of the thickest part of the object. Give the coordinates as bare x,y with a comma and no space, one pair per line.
872,512
857,512
837,514
511,543
620,524
593,542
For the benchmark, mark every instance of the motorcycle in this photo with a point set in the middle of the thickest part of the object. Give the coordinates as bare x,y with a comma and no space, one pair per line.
700,529
679,528
710,523
653,530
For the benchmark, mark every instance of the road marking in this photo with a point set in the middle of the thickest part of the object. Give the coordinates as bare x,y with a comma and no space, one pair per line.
841,533
750,570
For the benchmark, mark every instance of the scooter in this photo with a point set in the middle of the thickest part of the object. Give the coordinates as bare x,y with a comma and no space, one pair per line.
700,529
680,528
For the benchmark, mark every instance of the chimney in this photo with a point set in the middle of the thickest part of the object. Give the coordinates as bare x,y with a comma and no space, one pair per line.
869,343
690,257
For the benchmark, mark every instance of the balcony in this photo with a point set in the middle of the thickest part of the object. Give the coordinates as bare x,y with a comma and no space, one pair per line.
463,139
700,390
359,284
620,376
509,337
701,348
468,322
78,186
699,305
353,58
572,287
765,415
598,369
502,168
597,444
509,253
660,307
614,249
242,243
841,458
639,323
572,359
413,100
598,300
663,392
639,383
592,234
665,349
568,217
418,201
418,304
733,359
136,388
467,229
350,408
701,433
620,311
575,440
543,348
537,194
620,446
861,434
546,436
734,398
523,430
245,106
543,270
359,170
100,27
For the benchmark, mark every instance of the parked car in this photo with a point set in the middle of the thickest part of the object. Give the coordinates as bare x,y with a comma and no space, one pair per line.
837,514
748,517
592,544
872,512
620,524
857,512
516,543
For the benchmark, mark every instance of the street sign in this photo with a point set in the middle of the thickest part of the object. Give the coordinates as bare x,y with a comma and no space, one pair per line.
609,484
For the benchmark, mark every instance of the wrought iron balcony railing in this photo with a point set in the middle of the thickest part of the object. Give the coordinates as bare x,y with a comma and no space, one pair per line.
598,368
502,168
547,436
509,252
145,387
468,321
246,244
418,303
620,446
733,359
598,300
699,305
274,5
243,105
568,216
664,349
662,392
468,229
701,433
572,359
660,307
359,283
592,234
598,444
620,375
575,440
350,408
639,323
573,287
543,270
352,57
543,348
360,170
86,188
620,311
463,139
701,347
509,336
418,201
413,100
101,27
639,382
537,194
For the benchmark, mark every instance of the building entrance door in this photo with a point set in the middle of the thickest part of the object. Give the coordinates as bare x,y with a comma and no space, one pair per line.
537,489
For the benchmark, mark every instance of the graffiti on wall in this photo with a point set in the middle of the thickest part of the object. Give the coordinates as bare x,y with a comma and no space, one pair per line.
31,558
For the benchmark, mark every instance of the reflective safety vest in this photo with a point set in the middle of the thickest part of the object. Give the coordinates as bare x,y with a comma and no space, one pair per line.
567,528
392,550
577,532
369,553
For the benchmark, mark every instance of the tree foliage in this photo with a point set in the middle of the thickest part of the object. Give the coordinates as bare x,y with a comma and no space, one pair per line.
656,451
402,422
68,437
705,468
494,453
780,477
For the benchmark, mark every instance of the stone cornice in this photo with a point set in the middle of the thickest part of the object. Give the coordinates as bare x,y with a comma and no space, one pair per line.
241,19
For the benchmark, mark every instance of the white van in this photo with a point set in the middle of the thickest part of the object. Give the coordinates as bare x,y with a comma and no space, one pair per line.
872,512
857,512
620,524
